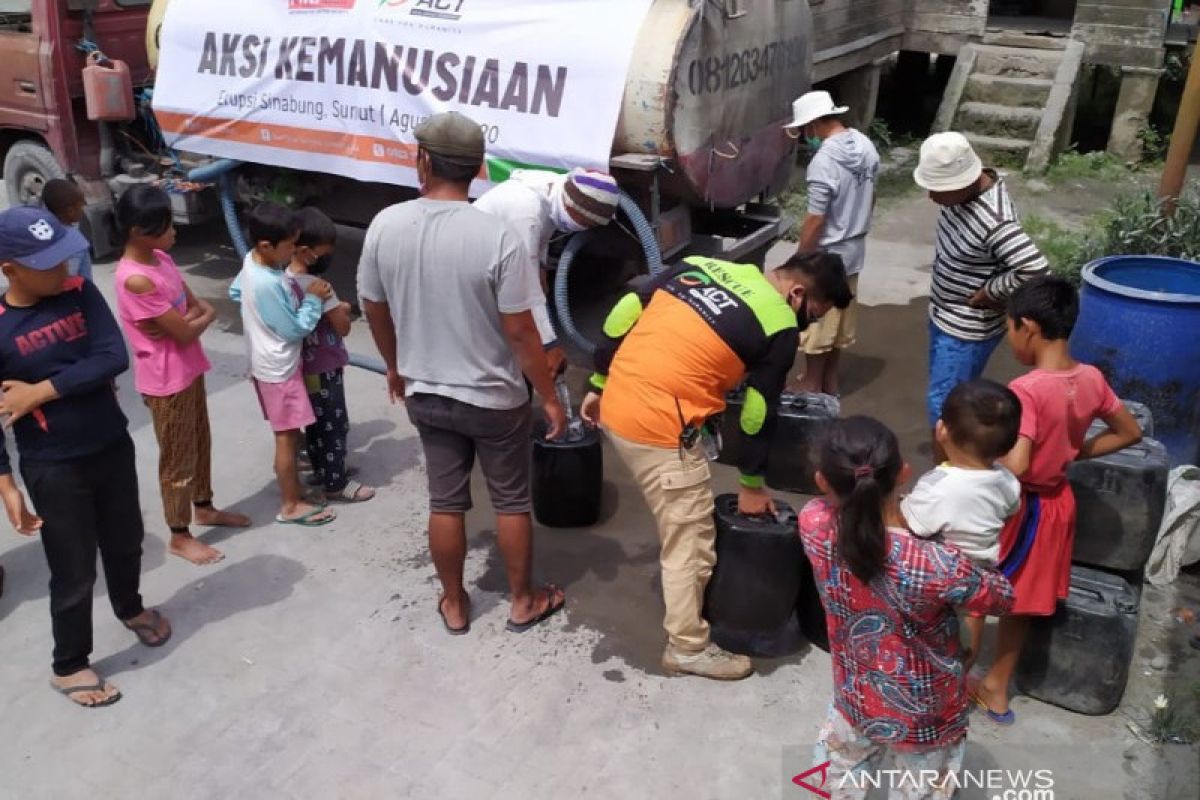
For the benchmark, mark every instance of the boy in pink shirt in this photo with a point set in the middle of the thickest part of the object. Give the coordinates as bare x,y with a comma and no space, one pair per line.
163,321
1059,400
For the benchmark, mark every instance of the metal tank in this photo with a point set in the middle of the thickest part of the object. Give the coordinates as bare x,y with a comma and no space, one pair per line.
710,85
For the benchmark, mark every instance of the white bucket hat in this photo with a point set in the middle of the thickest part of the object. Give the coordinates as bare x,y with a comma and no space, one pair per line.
948,163
813,106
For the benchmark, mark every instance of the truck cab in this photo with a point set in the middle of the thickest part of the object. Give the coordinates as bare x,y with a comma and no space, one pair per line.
45,132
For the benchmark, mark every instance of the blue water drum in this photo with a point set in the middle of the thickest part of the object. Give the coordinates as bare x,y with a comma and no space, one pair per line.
1139,322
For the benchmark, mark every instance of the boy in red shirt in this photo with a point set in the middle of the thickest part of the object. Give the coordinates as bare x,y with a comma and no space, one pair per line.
1060,398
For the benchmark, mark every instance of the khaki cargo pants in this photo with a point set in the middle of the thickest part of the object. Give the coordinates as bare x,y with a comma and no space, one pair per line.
680,497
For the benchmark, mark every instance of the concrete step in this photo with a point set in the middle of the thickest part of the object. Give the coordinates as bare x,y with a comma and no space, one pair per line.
1017,62
1000,151
1020,92
1005,122
1006,38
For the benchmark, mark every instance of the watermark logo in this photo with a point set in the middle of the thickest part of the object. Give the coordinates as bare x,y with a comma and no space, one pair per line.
996,784
814,779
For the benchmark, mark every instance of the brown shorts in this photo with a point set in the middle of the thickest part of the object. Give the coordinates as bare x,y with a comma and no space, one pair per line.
453,433
835,330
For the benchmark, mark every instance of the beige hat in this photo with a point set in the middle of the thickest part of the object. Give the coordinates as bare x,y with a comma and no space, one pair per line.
452,136
812,106
948,163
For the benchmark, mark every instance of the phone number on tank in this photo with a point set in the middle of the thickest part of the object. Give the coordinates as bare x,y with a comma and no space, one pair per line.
716,74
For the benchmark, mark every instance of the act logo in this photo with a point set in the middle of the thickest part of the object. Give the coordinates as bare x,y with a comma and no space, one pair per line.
438,9
320,5
814,780
694,278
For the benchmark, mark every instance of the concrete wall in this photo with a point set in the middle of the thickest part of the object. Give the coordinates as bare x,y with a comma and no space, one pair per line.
850,34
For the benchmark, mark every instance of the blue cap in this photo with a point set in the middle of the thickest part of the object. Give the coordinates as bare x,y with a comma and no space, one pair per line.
34,238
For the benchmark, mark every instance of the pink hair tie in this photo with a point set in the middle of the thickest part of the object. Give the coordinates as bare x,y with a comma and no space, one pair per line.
865,471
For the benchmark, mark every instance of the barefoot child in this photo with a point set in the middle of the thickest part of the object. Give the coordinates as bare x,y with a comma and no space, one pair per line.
64,199
1059,400
163,321
890,600
323,358
60,350
966,500
275,323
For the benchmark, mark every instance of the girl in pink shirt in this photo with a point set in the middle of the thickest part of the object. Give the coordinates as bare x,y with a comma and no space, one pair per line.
163,321
1059,400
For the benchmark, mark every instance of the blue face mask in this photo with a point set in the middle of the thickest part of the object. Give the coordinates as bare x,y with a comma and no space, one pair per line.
813,142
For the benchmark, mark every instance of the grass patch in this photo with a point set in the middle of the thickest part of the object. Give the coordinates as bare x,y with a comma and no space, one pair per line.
1097,165
1134,225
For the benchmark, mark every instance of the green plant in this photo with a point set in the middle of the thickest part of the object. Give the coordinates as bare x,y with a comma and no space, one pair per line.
1135,225
1065,250
1098,164
1169,726
1154,143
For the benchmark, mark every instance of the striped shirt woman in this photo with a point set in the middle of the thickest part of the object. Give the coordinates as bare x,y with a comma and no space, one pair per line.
980,246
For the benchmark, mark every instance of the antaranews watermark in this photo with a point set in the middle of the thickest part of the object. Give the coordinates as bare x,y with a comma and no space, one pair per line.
1003,784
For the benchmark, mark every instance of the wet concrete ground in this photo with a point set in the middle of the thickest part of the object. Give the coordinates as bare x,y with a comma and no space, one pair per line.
311,663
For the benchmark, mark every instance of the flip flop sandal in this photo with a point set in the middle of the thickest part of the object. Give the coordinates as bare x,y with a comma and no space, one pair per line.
551,610
1004,720
146,630
69,691
309,520
465,629
350,493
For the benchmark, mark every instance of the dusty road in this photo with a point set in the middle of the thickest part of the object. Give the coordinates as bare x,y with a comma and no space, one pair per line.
311,664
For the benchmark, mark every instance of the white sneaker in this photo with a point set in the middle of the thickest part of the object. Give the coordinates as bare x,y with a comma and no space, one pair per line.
711,662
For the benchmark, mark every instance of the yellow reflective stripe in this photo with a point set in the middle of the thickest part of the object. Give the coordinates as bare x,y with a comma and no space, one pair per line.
598,381
754,412
623,316
751,481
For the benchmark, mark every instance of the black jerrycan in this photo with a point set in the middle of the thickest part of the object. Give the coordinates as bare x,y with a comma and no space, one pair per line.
1079,658
731,428
803,421
757,576
1119,499
568,473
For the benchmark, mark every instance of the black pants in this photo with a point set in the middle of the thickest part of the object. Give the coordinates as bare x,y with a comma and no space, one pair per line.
86,504
326,438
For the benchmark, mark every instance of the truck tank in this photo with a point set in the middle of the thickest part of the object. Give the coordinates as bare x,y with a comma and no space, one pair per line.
710,85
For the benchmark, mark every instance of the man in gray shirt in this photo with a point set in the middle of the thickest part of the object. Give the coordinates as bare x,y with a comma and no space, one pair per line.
841,196
447,291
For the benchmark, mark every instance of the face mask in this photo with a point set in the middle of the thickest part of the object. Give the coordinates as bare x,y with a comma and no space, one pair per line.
813,142
321,264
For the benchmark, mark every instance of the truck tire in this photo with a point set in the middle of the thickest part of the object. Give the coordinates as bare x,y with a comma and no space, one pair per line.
27,167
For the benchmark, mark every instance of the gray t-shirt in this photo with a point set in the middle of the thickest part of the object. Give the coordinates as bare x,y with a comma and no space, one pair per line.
841,185
448,271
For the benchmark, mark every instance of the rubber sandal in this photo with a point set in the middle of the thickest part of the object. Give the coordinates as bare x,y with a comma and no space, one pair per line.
465,629
68,691
350,493
551,610
308,520
1004,720
144,630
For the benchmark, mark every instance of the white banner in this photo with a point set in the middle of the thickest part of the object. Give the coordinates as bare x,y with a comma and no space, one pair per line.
338,86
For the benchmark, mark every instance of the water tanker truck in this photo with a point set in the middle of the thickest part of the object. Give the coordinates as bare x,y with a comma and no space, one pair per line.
313,102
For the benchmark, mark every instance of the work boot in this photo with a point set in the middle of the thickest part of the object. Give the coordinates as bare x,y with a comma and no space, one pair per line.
711,662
